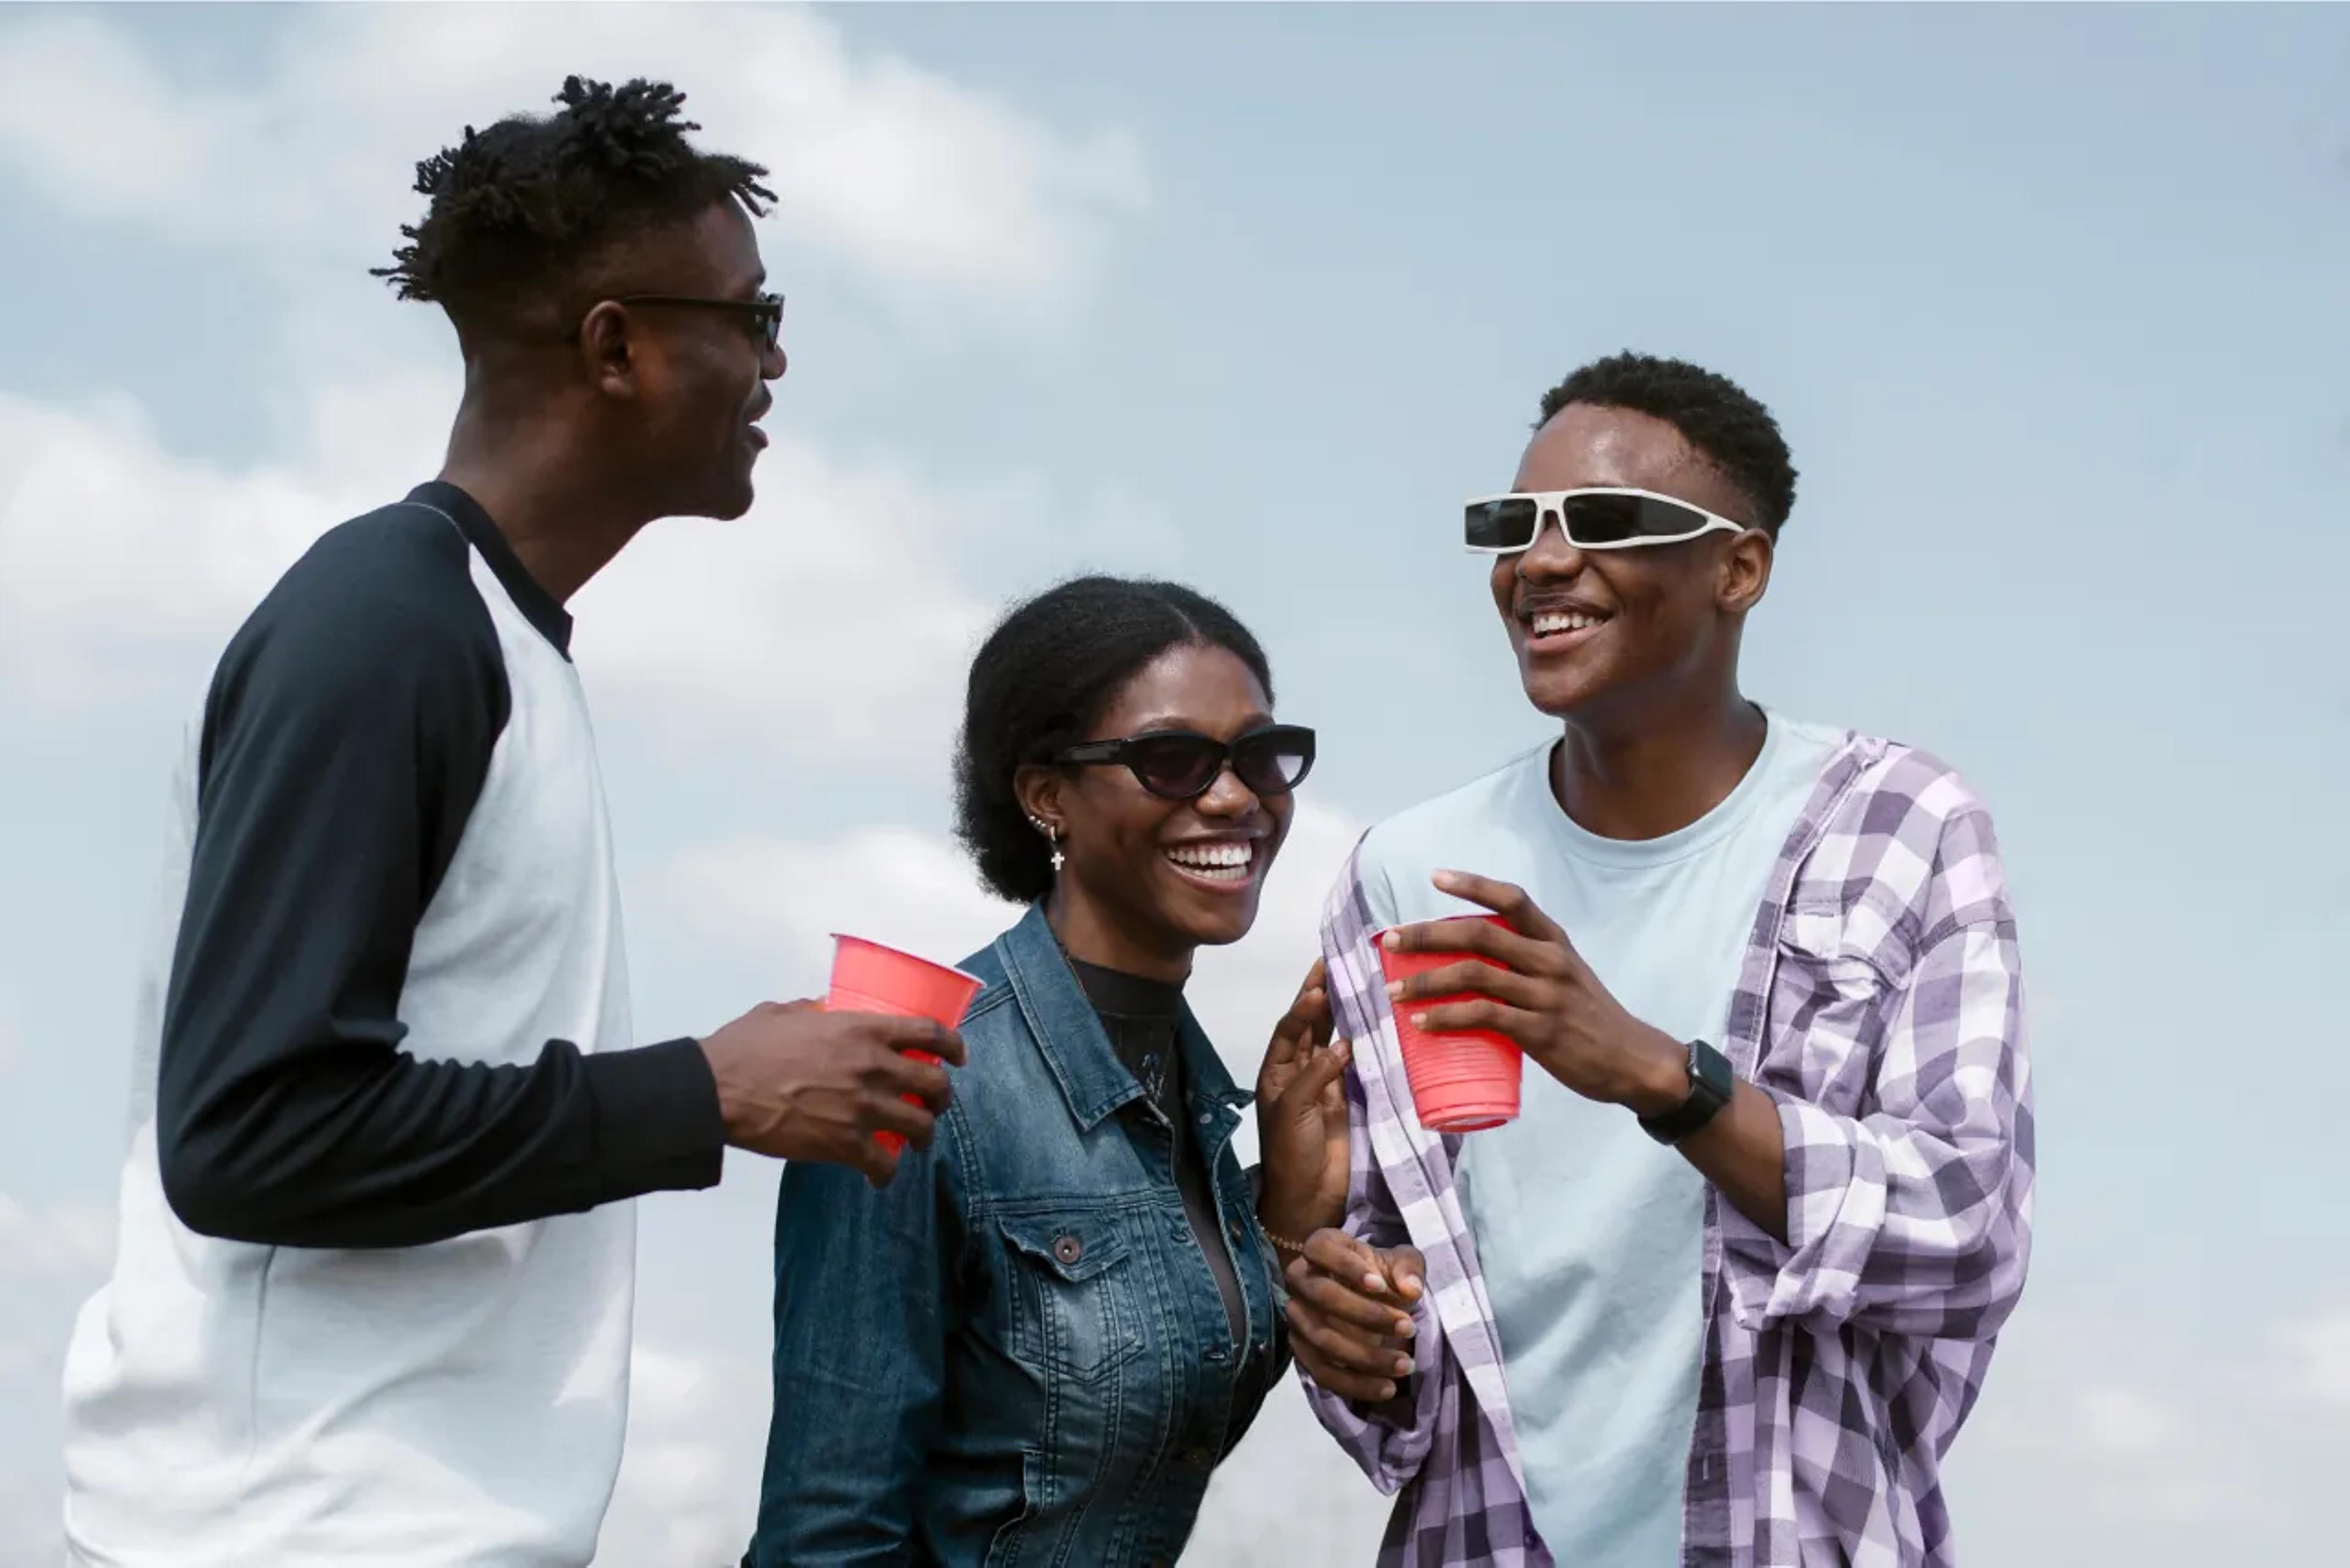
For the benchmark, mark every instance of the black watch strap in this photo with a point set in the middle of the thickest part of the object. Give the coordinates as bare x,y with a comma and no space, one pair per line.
1710,1088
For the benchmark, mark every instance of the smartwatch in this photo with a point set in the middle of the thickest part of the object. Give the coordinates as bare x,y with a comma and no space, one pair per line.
1710,1088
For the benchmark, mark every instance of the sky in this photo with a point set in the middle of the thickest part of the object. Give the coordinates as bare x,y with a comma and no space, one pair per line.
2052,304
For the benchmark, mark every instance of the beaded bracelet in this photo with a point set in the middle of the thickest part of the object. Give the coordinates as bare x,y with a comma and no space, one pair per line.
1283,1243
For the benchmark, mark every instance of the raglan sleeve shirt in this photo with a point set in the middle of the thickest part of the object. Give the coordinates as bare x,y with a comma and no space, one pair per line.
347,736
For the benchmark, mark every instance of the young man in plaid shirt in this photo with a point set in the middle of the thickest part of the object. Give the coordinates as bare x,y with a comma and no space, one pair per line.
1726,1289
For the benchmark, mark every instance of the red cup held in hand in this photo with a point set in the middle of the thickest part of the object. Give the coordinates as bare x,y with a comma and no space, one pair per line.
869,977
1463,1082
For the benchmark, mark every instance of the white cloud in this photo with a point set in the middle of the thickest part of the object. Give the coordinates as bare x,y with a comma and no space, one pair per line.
52,1255
2124,1423
824,617
308,153
2319,1352
891,884
70,1242
2097,1426
689,1482
115,557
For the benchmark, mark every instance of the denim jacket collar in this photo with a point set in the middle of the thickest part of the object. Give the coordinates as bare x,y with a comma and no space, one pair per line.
1075,1047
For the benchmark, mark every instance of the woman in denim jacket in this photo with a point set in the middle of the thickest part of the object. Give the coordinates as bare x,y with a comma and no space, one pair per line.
1035,1344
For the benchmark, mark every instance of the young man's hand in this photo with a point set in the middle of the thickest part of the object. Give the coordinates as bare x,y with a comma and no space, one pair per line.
1350,1318
799,1083
1544,997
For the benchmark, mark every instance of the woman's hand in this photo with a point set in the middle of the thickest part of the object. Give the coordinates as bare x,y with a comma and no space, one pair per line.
1350,1315
1301,1118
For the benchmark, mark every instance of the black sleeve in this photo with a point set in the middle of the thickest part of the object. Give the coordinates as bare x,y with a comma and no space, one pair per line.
347,736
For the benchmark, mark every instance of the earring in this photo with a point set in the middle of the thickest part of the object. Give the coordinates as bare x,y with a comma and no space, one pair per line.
1052,836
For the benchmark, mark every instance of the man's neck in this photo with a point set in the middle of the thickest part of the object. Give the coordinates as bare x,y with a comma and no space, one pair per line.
1657,774
554,503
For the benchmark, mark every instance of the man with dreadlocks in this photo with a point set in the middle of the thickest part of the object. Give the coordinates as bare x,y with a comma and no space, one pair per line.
373,1293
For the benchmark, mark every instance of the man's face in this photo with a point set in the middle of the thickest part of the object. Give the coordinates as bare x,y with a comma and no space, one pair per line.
1654,623
701,375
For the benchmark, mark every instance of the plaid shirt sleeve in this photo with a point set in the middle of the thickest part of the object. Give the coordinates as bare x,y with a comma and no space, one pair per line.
1392,1442
1446,1443
1908,1208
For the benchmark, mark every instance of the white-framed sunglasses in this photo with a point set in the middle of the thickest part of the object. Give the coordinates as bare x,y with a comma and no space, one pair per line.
1600,518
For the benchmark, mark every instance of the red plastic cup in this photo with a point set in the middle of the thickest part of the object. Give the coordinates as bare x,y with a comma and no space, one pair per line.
869,977
1460,1082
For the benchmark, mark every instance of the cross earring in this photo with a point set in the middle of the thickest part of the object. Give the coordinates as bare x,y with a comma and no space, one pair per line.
1052,836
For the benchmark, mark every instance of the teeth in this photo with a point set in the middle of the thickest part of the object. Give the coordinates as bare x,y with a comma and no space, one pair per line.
1222,862
1549,621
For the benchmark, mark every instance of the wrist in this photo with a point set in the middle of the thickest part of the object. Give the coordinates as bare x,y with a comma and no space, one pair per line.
1660,1079
1288,1222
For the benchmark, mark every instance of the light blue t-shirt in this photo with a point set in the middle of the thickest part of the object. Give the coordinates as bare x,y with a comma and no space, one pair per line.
1588,1230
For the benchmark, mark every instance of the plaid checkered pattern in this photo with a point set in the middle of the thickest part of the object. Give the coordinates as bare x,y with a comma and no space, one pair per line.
1880,1005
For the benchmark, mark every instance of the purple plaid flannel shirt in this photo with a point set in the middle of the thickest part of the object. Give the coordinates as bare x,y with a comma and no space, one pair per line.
1880,1005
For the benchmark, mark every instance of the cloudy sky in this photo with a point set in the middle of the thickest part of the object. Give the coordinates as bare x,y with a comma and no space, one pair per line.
2053,306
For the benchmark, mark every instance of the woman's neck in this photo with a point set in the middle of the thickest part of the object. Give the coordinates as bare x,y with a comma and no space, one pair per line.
1086,933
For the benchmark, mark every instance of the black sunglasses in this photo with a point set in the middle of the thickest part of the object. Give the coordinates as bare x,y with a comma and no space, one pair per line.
1183,764
764,316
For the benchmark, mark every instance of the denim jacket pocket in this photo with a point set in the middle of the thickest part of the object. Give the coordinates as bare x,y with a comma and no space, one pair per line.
1074,1304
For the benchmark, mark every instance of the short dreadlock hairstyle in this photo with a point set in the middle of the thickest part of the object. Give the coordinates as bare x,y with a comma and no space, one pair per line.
521,211
1725,422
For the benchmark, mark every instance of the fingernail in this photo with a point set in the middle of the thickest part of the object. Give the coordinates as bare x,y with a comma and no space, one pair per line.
1394,989
1420,1020
1406,1328
1403,1366
1374,1284
1339,1049
1392,942
1387,1390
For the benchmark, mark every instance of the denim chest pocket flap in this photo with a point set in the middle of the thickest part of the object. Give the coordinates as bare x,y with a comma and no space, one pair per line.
1075,1307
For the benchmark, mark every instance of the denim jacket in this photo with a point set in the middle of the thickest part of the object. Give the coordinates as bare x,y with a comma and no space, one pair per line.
1015,1353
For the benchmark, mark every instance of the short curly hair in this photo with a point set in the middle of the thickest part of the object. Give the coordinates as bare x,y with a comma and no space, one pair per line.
1735,433
1044,677
519,212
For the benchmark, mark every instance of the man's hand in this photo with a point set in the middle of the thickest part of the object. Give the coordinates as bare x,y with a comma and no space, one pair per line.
1350,1321
1301,1117
798,1083
1544,997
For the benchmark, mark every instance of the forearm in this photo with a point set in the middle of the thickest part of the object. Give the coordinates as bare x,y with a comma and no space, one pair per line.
1287,1211
354,1145
1742,1150
1744,1153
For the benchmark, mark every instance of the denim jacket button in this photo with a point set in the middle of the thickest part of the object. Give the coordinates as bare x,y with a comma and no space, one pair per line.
1068,1249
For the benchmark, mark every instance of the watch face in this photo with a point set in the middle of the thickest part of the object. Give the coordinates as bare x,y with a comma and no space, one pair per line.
1709,1073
